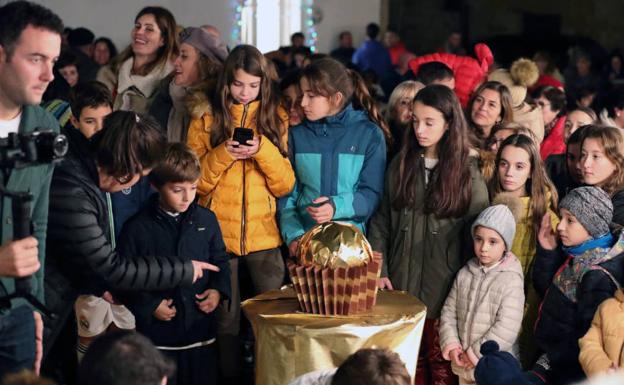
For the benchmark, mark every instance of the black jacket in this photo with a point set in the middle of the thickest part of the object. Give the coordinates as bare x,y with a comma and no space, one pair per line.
562,322
195,234
78,240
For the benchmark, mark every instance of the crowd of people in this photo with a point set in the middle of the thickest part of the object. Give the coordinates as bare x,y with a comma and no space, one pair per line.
495,196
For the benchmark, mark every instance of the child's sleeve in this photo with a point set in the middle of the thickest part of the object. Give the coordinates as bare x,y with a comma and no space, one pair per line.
380,227
360,204
291,225
220,280
449,337
545,266
593,357
508,321
276,168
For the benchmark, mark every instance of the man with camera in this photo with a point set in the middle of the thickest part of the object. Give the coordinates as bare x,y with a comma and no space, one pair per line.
30,43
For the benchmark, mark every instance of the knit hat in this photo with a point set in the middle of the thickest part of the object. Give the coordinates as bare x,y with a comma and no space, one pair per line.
522,74
498,368
80,36
500,219
592,207
205,43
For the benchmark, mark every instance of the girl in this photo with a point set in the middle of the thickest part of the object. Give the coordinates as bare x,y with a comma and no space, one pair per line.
183,94
520,180
602,164
241,181
487,298
421,225
399,111
134,76
291,96
338,152
487,159
565,170
578,117
489,106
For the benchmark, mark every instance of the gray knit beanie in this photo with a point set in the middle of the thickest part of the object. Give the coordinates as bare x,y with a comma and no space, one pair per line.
592,207
205,43
500,219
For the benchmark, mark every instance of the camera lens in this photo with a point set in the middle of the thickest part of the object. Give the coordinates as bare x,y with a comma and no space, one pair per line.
60,146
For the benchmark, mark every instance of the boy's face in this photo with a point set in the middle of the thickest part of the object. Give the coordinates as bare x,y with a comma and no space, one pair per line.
91,120
489,246
70,74
571,231
176,197
449,82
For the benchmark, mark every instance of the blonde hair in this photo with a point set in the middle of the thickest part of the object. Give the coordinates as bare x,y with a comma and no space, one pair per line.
406,89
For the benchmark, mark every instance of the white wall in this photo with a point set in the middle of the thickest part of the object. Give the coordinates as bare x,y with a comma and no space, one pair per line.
115,18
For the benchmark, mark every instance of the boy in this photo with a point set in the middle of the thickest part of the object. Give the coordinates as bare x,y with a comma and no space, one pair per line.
90,103
180,322
575,280
436,72
486,301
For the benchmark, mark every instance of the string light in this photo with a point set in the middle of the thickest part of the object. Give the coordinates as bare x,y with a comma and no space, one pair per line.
312,35
238,6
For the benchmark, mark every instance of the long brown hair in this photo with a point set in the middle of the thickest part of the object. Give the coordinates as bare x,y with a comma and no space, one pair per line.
268,121
167,25
328,76
442,198
538,186
613,143
476,134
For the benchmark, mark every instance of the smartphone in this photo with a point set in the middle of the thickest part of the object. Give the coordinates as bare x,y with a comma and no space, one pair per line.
242,135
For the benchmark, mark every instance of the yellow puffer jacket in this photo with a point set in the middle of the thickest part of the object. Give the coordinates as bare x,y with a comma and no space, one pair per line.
603,345
242,193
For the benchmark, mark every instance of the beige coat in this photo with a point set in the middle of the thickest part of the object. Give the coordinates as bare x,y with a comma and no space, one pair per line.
603,345
484,304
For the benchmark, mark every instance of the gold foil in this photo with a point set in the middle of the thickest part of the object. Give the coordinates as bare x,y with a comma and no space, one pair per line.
333,245
290,343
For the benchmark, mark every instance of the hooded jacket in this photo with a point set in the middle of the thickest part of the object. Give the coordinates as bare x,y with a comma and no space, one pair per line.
242,193
483,304
342,157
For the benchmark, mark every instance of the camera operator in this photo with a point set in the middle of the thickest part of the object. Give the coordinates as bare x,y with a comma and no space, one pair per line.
30,43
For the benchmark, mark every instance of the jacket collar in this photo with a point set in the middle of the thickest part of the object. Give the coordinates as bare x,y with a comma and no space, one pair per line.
244,114
339,121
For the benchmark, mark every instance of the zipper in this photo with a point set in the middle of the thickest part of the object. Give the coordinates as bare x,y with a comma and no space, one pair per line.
242,242
474,312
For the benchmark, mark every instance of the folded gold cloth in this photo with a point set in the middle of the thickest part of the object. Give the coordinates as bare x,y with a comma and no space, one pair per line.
290,343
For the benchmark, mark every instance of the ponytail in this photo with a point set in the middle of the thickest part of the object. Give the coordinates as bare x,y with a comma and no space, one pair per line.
362,100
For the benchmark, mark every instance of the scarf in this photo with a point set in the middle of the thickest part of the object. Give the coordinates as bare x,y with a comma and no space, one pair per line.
176,130
144,86
585,257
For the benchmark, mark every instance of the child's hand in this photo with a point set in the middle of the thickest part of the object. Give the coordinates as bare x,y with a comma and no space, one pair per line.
253,146
546,235
384,283
208,300
467,363
323,213
613,368
456,357
236,150
292,248
165,311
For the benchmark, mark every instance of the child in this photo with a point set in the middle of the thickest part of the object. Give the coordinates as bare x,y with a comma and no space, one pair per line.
338,153
575,280
181,321
421,226
487,298
90,103
435,72
241,181
602,348
521,181
67,66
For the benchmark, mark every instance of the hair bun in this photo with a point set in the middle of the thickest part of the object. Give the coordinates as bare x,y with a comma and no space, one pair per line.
524,72
489,347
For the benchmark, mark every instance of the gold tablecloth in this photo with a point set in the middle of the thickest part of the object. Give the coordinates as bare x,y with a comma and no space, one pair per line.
290,343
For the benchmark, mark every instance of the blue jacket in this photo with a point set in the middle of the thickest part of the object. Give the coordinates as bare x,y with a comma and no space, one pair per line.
342,157
194,235
372,55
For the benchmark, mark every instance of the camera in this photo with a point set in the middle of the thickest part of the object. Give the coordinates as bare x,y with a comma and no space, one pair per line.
36,147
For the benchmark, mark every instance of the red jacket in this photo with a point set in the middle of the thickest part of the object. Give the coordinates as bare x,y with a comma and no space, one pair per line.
469,72
554,144
396,51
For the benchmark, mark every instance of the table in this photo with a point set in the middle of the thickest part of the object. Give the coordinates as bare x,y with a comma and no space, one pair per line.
290,343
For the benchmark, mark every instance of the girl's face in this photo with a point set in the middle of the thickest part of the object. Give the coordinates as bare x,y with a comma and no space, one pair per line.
245,87
292,103
146,36
315,106
101,54
514,170
429,126
70,74
403,110
574,120
573,160
571,231
498,138
489,246
597,168
547,112
486,110
186,67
